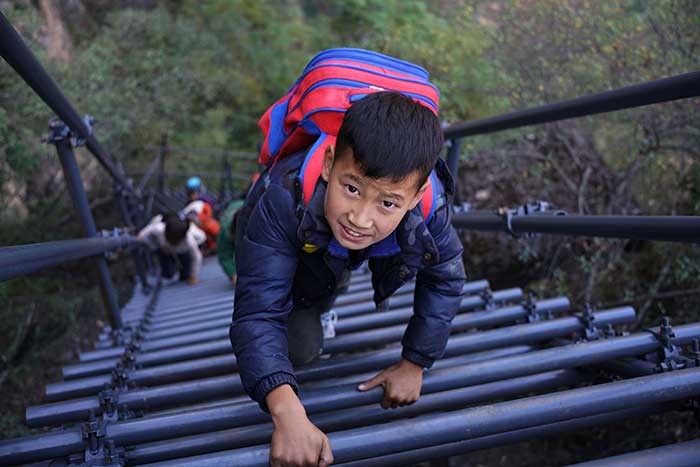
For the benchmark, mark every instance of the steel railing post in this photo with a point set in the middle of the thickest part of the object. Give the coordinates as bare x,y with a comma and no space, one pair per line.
453,156
61,137
128,220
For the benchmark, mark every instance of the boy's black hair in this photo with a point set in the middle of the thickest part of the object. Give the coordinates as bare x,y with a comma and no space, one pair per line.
391,136
175,228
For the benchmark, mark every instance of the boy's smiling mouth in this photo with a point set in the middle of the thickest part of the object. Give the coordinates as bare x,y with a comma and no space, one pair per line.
352,235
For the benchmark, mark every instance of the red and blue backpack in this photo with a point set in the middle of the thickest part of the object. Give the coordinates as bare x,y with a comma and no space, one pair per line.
310,114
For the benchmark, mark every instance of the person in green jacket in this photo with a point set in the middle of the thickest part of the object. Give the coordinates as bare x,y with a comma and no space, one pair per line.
226,239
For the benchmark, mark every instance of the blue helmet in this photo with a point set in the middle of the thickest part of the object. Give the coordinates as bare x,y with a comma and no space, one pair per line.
194,184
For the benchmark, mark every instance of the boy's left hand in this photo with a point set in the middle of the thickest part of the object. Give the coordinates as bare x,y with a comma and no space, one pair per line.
402,384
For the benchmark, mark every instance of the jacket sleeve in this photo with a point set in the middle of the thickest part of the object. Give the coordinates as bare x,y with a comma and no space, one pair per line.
266,256
437,295
153,235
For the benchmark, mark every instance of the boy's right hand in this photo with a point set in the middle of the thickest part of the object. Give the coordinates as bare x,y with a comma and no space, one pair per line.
296,442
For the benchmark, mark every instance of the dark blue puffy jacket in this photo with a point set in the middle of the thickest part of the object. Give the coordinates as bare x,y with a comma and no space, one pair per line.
277,269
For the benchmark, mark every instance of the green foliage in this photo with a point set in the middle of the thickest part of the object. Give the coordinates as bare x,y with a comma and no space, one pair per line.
687,271
20,111
205,72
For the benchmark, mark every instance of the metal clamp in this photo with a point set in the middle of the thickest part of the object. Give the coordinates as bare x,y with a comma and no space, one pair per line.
530,306
120,377
123,336
116,232
109,403
128,337
107,456
96,453
609,331
508,217
668,355
93,431
132,347
694,353
128,360
59,131
590,330
79,141
487,296
537,207
688,359
121,374
113,456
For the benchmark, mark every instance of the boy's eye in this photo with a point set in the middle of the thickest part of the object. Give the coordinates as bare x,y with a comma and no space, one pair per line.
388,204
351,189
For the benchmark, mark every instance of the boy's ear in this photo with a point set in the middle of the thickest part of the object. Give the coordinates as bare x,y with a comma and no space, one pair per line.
419,194
328,158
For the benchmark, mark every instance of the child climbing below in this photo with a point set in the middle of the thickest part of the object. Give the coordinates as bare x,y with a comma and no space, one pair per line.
200,210
176,242
380,194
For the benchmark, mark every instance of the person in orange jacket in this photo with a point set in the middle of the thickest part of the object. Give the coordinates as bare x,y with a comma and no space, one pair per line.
201,212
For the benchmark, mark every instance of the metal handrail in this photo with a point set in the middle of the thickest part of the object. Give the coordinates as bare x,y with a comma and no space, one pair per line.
19,260
146,176
638,95
662,228
665,228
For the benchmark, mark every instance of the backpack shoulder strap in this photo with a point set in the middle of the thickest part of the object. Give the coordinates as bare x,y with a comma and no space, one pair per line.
427,203
313,165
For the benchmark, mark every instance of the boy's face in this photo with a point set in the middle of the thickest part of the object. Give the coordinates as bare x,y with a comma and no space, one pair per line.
362,210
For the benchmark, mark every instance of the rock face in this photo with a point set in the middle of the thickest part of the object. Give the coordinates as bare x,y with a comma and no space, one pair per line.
57,41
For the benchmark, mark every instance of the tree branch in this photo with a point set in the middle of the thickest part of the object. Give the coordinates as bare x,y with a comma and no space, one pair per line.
657,285
582,207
